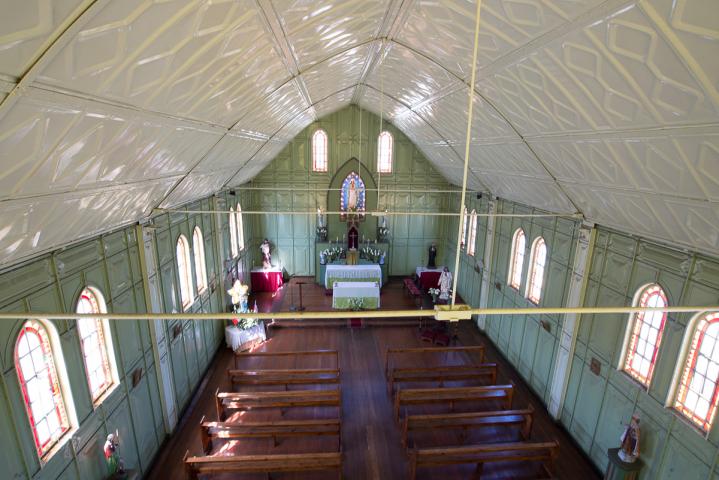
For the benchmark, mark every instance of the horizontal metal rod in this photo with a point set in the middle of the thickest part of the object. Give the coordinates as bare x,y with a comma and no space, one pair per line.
338,314
326,189
373,213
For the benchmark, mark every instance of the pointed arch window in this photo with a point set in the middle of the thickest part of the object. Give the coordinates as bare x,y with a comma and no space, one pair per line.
537,264
472,233
37,359
184,271
233,233
644,335
465,218
96,344
240,229
385,144
198,248
319,151
516,259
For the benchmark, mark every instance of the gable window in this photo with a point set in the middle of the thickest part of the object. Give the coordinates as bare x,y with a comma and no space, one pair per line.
319,151
644,335
516,259
537,264
240,229
384,152
35,363
697,394
96,343
233,233
184,272
464,229
472,233
198,248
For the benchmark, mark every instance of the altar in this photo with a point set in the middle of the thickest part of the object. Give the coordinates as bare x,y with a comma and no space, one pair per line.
352,273
366,294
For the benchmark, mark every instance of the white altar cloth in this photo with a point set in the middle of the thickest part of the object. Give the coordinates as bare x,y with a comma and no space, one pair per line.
341,291
346,273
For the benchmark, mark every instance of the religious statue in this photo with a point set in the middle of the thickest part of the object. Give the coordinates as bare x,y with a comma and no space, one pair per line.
383,222
320,219
352,196
239,294
431,263
445,284
265,248
115,466
629,449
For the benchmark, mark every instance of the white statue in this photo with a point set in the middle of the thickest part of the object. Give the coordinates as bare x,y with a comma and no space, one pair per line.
352,196
445,284
320,220
265,248
238,293
383,224
629,449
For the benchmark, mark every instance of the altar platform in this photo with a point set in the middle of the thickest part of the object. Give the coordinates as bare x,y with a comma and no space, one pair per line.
363,272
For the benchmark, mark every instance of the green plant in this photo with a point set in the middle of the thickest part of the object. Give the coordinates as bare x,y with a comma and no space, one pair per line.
356,304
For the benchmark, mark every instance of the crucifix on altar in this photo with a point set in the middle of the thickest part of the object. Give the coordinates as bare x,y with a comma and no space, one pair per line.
352,243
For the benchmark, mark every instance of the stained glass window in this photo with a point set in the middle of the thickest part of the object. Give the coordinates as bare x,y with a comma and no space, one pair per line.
352,196
184,272
538,261
472,233
35,365
198,248
233,233
645,335
698,392
94,339
384,152
516,259
319,151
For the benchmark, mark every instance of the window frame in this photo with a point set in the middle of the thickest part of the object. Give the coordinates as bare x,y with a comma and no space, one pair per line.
233,233
186,302
632,335
240,229
381,166
684,372
325,140
198,250
471,245
515,270
532,277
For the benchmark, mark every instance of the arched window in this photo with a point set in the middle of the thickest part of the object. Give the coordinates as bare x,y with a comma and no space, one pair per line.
535,277
233,233
36,360
319,151
697,392
184,271
198,248
384,152
644,335
240,229
472,233
516,259
464,229
96,343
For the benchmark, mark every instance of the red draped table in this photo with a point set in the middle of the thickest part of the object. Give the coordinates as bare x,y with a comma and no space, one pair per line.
428,277
266,280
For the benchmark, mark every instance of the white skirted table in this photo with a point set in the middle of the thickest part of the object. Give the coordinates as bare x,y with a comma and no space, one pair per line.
343,294
352,273
239,339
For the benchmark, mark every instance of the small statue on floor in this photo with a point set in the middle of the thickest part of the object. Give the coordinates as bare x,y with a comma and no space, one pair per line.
445,284
629,449
431,263
115,466
266,248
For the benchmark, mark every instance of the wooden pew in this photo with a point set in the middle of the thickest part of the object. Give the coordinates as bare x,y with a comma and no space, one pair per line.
393,352
545,452
469,420
452,395
272,429
275,463
486,372
282,399
300,353
307,376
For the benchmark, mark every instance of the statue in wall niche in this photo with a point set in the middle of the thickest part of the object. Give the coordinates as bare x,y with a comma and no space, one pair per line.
629,449
115,466
432,262
266,248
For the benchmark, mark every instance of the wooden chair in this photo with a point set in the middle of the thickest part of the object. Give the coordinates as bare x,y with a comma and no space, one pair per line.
274,430
485,372
544,452
453,395
307,376
391,353
276,463
470,420
282,399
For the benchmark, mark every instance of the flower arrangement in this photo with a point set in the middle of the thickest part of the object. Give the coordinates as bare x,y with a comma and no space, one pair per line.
331,254
433,291
356,304
382,233
375,255
321,232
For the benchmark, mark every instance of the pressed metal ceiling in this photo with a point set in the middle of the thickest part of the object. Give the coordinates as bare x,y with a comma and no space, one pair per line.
111,108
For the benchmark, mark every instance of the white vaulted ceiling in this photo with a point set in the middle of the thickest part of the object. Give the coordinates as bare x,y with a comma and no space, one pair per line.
111,108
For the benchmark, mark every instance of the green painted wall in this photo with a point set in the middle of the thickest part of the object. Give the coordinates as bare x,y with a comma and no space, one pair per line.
290,173
596,407
110,263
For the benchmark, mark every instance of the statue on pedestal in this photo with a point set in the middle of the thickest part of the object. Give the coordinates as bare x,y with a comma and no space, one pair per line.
431,263
265,248
629,449
445,284
115,466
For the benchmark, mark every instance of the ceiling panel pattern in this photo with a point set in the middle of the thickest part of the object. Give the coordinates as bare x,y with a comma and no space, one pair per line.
609,107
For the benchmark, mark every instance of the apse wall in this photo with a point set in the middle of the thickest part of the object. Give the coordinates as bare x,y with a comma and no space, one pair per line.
111,263
286,180
597,406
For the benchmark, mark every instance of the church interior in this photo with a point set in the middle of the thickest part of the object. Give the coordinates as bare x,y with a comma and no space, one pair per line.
361,239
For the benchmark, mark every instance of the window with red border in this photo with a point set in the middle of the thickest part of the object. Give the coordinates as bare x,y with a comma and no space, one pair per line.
645,335
516,259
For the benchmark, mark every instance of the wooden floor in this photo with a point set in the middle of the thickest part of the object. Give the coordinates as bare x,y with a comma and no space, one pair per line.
370,437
